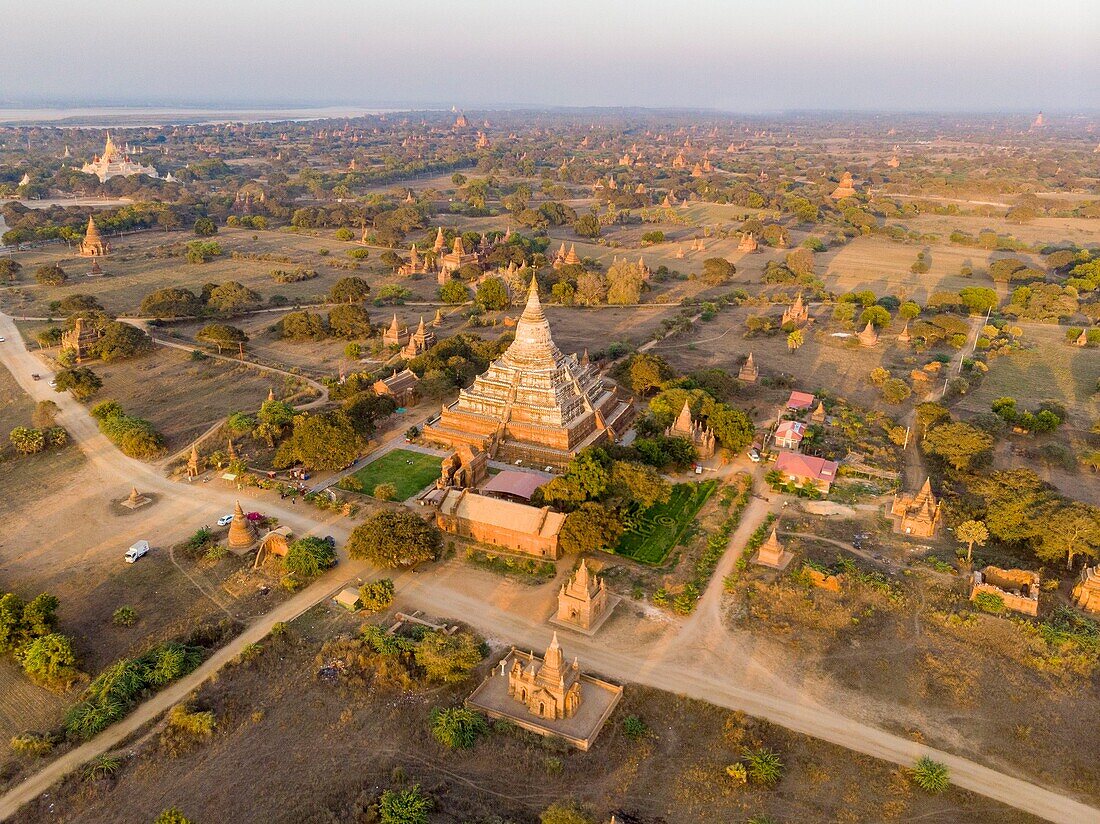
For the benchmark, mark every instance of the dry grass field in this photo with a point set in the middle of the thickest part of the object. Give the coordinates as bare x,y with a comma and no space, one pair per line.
914,650
1053,370
1055,231
27,477
838,366
181,397
133,271
271,761
24,707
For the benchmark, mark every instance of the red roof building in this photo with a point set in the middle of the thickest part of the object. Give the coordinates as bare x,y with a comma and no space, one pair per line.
806,469
800,400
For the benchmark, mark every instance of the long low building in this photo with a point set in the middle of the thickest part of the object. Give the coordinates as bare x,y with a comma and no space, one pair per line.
519,527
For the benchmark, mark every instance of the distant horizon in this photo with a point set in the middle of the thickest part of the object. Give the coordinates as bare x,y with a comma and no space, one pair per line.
694,55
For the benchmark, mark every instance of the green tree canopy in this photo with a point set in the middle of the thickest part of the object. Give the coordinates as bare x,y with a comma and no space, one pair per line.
394,539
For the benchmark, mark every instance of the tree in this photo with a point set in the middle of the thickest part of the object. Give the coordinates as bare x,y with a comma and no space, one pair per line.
118,341
877,315
408,806
448,659
908,310
795,340
231,297
80,381
648,372
587,225
585,478
205,227
457,728
632,481
349,290
958,443
1069,529
733,428
589,527
324,441
454,292
717,270
492,294
376,596
222,336
970,533
394,540
303,326
9,270
931,776
171,302
49,659
27,441
978,300
50,275
309,556
895,390
625,282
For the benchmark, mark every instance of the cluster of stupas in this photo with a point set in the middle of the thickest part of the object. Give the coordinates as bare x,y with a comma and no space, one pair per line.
564,258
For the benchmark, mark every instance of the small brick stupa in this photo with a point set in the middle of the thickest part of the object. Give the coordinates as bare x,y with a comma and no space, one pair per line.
242,535
772,553
93,244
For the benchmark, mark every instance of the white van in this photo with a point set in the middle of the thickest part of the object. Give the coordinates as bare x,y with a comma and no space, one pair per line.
136,551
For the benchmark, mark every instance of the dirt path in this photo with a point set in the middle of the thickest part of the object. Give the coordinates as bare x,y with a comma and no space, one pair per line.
714,667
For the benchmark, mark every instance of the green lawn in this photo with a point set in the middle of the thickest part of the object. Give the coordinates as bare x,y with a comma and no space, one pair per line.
652,533
408,471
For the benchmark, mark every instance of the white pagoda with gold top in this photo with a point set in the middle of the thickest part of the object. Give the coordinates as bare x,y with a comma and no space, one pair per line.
113,163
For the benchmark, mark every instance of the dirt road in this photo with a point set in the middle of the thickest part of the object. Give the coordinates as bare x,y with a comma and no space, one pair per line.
708,663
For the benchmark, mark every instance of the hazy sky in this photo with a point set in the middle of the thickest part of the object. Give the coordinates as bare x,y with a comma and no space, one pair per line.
738,56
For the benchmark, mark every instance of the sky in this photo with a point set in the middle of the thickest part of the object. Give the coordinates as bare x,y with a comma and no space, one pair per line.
946,55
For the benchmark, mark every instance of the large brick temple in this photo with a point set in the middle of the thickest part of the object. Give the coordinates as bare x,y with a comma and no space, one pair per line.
534,404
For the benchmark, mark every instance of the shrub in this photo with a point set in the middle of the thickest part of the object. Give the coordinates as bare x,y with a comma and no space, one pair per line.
635,728
448,659
564,814
376,595
409,806
187,727
385,492
124,617
931,776
763,766
457,727
308,557
173,815
31,744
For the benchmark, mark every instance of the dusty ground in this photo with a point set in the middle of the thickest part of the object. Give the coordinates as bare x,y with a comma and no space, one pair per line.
906,641
183,398
134,270
356,740
27,477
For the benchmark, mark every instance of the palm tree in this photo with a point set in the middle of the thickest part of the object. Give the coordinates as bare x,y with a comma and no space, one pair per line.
794,340
970,533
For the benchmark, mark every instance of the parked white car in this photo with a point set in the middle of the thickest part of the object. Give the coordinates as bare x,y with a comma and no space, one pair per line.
225,520
136,551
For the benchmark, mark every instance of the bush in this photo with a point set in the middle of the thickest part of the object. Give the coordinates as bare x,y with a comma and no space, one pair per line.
384,492
124,617
635,728
173,815
376,595
308,557
457,727
31,744
564,814
931,776
409,806
763,766
187,727
448,659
